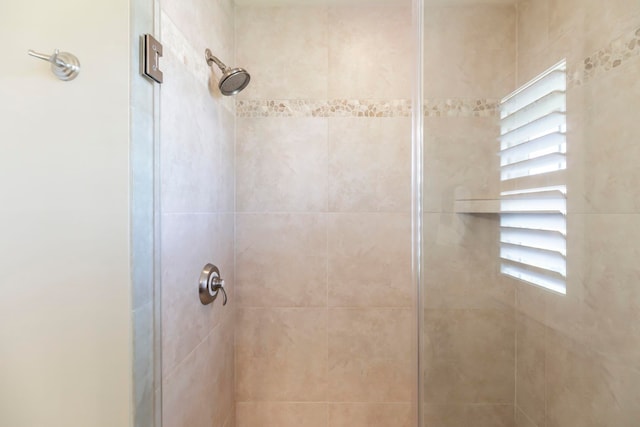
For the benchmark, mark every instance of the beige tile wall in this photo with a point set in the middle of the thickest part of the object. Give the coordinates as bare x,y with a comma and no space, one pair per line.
469,50
324,294
576,359
469,325
197,166
578,354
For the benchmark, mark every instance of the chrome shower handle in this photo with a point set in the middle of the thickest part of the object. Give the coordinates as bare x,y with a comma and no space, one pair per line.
210,285
217,284
63,64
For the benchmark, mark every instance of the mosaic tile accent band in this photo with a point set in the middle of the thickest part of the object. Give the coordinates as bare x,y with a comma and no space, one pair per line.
365,108
461,108
612,56
318,108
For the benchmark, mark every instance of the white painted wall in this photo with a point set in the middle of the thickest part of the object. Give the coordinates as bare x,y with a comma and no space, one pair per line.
65,309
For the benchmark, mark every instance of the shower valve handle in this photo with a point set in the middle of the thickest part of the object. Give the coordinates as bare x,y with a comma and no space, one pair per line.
210,284
217,284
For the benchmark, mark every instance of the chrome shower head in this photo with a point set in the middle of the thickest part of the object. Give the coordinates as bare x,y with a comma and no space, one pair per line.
233,80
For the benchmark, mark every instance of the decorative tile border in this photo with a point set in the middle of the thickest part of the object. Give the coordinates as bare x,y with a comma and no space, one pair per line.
365,108
462,107
612,56
317,108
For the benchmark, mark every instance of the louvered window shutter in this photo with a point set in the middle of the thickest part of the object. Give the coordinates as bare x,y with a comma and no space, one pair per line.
533,207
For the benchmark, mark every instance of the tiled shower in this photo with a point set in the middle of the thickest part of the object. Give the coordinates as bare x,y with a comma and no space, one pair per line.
300,189
323,259
499,351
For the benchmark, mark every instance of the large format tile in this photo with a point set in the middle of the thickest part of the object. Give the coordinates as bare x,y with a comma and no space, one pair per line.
461,263
566,17
222,365
281,260
460,161
185,321
199,392
186,397
370,51
606,20
189,147
584,389
530,369
370,355
225,259
369,164
286,51
531,301
469,356
369,260
469,415
281,414
206,24
281,165
610,131
281,354
469,51
532,26
611,315
523,420
226,180
197,168
370,415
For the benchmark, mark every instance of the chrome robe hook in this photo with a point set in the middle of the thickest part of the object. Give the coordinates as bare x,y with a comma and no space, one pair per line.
63,64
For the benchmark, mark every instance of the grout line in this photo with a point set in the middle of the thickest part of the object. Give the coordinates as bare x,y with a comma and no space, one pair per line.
545,364
236,289
515,355
319,307
326,262
516,74
325,402
319,213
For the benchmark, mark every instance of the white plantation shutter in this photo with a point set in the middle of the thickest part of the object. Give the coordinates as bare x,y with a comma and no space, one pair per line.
533,148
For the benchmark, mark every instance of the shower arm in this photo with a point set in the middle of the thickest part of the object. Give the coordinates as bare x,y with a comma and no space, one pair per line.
212,59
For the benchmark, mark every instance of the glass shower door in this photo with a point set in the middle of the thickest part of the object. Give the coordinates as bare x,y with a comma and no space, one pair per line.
530,212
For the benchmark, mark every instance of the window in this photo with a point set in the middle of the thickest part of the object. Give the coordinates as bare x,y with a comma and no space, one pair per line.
533,206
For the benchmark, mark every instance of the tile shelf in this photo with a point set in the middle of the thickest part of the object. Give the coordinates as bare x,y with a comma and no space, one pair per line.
477,206
493,206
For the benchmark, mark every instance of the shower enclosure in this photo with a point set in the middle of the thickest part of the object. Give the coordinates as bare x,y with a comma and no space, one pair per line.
426,214
530,297
478,273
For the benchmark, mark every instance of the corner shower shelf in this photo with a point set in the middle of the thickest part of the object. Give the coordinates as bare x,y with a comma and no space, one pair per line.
537,205
477,206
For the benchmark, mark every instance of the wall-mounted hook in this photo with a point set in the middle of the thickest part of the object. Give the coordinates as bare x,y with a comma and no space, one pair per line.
63,64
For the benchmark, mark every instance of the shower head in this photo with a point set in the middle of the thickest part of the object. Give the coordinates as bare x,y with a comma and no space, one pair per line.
233,80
